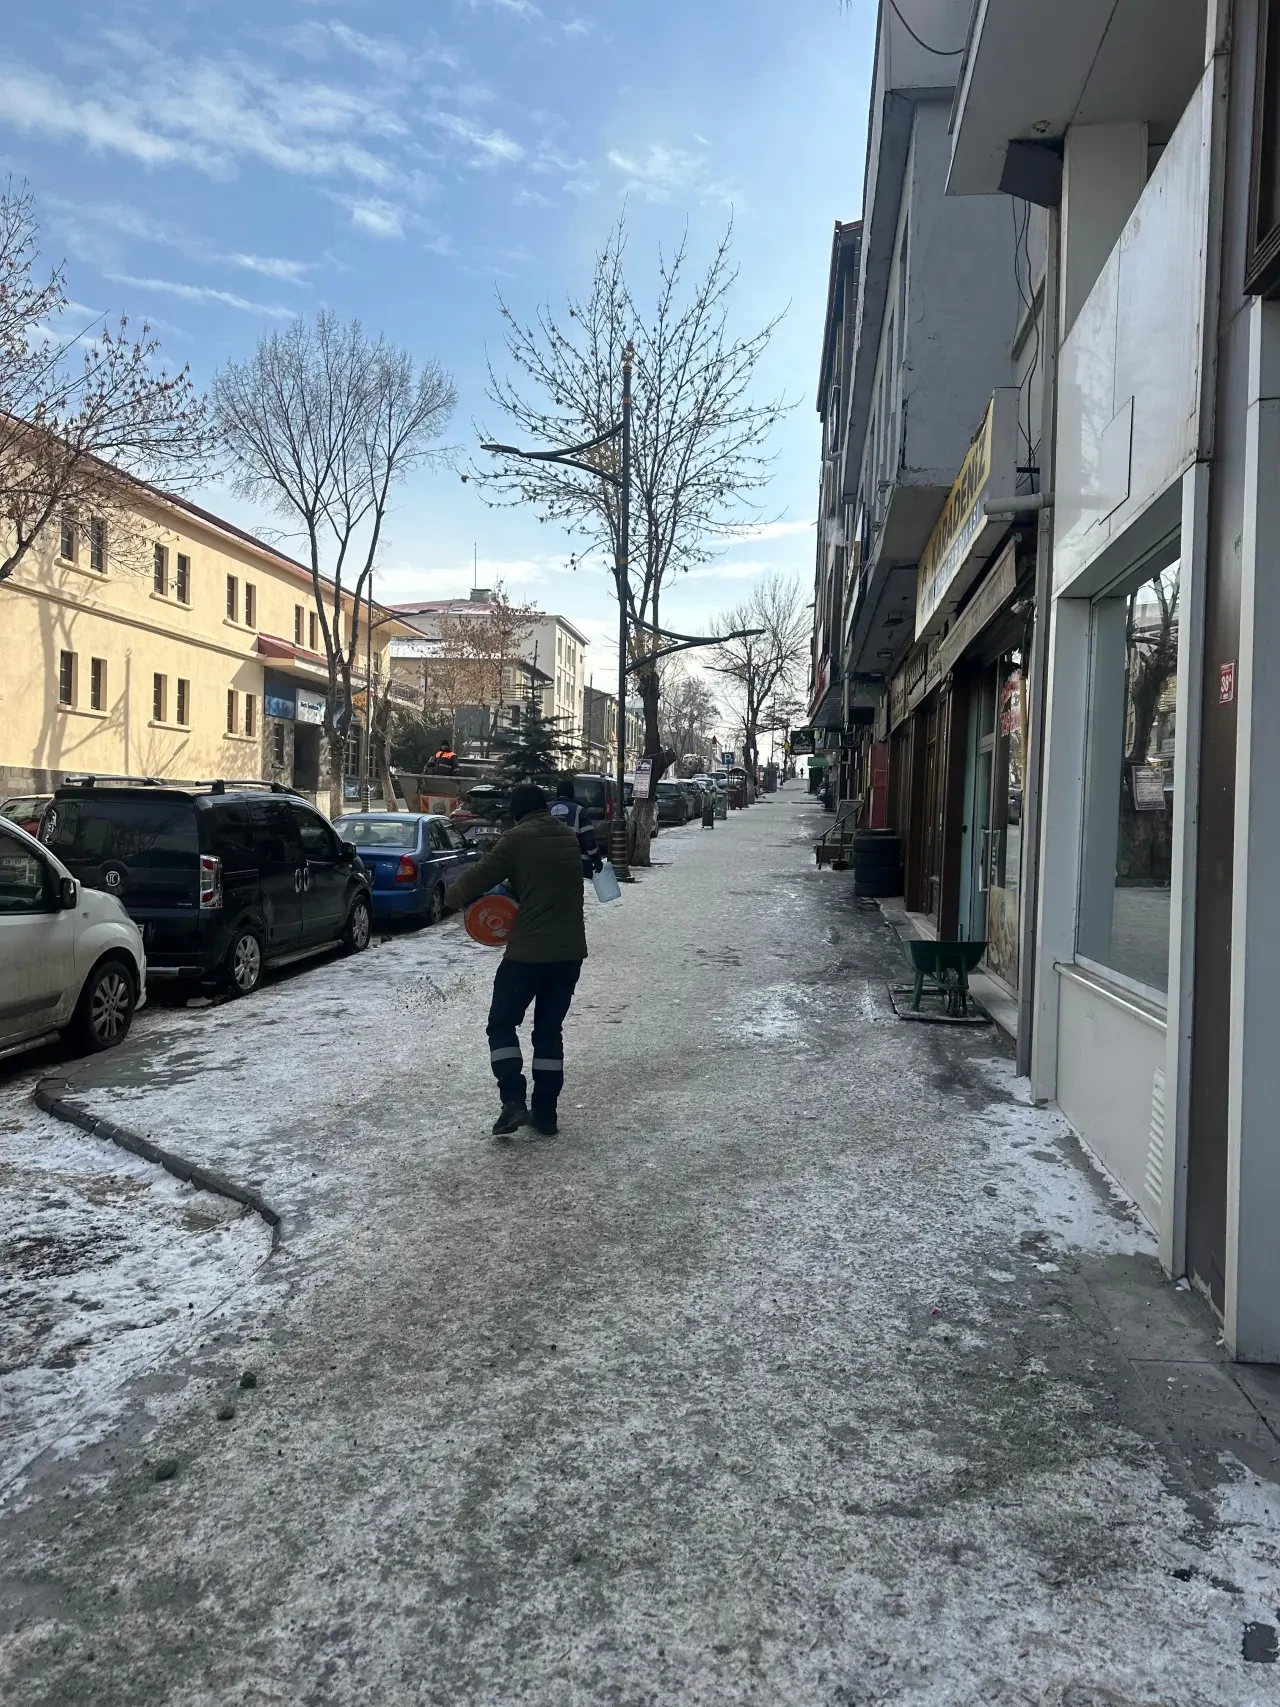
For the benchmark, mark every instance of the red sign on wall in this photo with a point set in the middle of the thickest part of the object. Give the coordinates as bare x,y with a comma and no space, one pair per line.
1227,683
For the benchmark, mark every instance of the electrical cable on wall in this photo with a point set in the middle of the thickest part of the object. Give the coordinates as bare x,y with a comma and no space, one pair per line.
940,52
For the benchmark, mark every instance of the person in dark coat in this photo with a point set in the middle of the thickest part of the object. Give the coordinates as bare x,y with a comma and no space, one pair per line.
538,859
566,809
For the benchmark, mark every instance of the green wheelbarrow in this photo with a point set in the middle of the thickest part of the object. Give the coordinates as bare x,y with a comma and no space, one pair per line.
948,964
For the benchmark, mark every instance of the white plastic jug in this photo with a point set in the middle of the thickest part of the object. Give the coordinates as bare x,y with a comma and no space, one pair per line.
605,883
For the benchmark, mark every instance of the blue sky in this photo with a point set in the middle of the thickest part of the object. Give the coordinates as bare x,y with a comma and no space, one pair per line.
217,168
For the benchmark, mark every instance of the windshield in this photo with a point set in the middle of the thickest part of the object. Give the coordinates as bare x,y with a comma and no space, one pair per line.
379,832
588,790
667,789
133,829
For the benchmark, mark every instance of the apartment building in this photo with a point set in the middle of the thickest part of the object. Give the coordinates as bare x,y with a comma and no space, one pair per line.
551,645
191,650
600,731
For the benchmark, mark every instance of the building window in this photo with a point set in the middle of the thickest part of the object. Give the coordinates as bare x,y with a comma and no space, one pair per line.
250,715
160,569
68,539
184,579
311,632
1262,258
231,711
1129,781
98,546
98,684
297,625
66,678
184,701
250,605
233,599
159,698
277,744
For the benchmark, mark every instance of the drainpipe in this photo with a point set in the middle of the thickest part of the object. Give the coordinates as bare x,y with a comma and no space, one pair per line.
1038,664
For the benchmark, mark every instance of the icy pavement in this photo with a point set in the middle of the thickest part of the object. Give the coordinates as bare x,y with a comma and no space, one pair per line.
808,1365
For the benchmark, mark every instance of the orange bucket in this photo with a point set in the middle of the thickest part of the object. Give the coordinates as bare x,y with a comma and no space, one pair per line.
490,919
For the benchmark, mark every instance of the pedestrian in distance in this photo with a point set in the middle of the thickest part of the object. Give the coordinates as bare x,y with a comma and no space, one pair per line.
538,859
567,810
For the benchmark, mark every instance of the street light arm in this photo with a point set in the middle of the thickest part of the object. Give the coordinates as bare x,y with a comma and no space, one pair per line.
686,643
568,457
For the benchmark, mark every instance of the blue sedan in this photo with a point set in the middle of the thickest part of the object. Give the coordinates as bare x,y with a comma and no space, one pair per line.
411,858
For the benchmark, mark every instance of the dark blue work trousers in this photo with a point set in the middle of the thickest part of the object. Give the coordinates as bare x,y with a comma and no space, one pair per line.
549,985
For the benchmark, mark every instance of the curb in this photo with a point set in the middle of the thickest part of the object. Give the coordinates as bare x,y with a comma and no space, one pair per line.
50,1096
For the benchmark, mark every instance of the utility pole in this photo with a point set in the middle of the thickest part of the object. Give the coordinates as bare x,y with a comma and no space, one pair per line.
618,850
368,700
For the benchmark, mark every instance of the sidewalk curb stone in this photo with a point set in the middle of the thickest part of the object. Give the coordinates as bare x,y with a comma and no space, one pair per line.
50,1096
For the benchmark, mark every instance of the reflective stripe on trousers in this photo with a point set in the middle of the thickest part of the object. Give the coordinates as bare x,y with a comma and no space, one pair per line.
549,985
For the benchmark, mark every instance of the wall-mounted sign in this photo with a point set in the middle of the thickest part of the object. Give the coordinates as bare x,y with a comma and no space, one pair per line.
1227,683
309,706
804,741
985,605
963,535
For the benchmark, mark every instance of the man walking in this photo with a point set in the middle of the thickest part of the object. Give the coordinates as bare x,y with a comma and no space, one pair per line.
566,810
539,859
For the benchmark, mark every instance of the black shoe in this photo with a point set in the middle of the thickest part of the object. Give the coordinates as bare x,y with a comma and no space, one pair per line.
543,1122
514,1115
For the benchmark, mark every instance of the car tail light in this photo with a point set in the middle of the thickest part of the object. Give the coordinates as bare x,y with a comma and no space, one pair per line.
210,882
407,870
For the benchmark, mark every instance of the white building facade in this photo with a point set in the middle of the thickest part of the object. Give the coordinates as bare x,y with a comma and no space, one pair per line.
1146,135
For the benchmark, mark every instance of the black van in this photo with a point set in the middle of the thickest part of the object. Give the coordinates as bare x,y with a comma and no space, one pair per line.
598,798
222,878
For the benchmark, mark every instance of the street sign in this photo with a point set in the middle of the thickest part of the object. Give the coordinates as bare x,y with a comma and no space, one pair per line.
728,757
803,741
643,767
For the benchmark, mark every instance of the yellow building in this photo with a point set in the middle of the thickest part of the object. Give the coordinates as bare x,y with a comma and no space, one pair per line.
192,652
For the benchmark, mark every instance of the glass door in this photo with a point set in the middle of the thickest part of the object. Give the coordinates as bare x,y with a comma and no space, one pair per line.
1003,877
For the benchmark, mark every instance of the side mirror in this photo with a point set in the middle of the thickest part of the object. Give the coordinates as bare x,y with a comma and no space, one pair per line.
67,893
348,850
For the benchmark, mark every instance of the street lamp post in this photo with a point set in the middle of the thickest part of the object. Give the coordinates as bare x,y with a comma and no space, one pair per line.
575,456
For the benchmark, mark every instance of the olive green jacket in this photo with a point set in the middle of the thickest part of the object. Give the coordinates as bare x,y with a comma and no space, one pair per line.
540,859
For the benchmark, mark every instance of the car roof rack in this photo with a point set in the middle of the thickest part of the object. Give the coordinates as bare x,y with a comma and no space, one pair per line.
215,785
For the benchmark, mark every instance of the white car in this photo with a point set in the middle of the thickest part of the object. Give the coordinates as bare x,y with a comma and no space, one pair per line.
71,958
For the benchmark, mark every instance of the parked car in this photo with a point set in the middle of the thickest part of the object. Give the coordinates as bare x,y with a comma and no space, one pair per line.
482,814
411,858
224,879
673,803
598,798
693,791
71,958
24,810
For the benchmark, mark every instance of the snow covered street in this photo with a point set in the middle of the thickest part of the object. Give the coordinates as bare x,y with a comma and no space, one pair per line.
809,1364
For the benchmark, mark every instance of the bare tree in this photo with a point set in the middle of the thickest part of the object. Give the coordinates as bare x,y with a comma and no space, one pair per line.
82,418
687,711
320,423
762,666
698,438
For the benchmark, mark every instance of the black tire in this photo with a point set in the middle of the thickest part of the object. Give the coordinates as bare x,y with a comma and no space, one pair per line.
244,961
104,1012
435,906
875,856
359,926
879,883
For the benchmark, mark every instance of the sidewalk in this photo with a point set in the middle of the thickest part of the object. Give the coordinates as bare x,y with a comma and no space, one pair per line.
808,1365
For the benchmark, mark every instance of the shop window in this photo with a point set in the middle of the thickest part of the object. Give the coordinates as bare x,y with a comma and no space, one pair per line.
1127,851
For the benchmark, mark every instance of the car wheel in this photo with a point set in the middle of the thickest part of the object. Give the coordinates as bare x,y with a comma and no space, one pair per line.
104,1012
355,938
244,962
435,906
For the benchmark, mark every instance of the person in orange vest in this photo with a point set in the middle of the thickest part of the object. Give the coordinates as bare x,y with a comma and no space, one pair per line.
445,762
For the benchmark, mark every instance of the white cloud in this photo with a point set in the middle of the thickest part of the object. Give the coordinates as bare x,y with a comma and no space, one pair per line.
202,294
272,267
518,8
577,27
486,147
92,227
771,530
378,217
664,173
206,114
